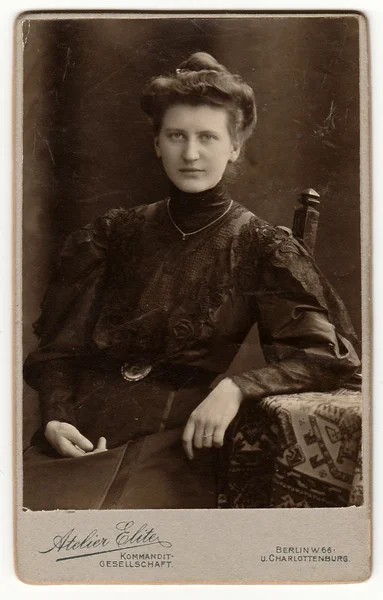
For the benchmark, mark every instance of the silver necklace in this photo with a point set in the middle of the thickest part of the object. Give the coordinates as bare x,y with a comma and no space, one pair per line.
185,235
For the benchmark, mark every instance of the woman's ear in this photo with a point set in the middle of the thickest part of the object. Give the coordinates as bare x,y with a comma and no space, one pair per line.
236,149
157,147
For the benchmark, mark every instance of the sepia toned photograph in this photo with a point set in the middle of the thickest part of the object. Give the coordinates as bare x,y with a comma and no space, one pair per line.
193,222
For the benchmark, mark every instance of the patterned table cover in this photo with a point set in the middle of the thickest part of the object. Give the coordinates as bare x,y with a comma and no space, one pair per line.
295,451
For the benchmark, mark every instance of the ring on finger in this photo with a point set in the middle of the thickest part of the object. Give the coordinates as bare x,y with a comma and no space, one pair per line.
207,435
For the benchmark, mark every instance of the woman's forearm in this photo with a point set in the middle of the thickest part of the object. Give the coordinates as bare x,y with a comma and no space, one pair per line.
56,385
316,369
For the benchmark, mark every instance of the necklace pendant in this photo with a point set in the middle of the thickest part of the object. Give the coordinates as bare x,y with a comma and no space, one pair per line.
183,237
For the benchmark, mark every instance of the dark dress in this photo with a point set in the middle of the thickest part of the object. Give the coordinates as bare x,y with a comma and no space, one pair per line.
130,294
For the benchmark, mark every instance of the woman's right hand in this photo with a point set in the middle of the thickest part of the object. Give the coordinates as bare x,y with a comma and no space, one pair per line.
69,442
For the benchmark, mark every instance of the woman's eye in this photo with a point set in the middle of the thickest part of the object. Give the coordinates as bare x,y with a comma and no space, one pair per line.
208,137
176,135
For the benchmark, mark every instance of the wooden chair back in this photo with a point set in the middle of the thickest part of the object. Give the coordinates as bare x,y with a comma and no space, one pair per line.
306,219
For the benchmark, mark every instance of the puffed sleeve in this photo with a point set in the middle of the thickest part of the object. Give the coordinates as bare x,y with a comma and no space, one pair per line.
67,312
304,328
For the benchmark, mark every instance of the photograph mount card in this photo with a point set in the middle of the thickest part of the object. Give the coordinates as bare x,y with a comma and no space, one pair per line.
193,359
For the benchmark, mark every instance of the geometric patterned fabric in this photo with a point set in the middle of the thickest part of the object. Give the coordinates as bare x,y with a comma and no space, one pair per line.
294,451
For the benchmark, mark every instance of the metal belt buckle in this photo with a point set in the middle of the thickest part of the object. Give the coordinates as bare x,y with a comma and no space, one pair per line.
134,372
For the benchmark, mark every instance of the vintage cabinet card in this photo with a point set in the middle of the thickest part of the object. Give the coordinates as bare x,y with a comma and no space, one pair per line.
193,284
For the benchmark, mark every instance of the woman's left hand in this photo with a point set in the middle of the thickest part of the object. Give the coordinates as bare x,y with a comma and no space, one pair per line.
207,424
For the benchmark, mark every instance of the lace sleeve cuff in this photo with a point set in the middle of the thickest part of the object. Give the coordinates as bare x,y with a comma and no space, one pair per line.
56,386
57,405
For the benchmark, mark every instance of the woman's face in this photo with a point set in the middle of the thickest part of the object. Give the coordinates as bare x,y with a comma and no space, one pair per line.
195,146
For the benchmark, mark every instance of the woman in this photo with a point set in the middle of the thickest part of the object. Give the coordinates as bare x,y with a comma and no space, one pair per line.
150,305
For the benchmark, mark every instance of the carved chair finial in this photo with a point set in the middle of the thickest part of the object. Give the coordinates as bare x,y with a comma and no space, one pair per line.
309,197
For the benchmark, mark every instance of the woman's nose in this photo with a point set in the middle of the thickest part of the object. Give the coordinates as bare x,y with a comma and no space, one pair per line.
190,150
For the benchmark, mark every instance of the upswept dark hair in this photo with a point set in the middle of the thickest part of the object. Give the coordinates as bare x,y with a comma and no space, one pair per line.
201,80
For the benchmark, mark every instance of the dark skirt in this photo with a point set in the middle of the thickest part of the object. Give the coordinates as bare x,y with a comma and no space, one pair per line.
145,465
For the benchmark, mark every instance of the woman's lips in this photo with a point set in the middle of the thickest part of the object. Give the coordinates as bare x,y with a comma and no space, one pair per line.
191,171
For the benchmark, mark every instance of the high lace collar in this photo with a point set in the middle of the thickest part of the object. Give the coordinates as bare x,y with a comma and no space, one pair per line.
192,211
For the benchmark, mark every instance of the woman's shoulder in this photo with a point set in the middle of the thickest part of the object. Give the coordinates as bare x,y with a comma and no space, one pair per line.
125,218
261,236
97,233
